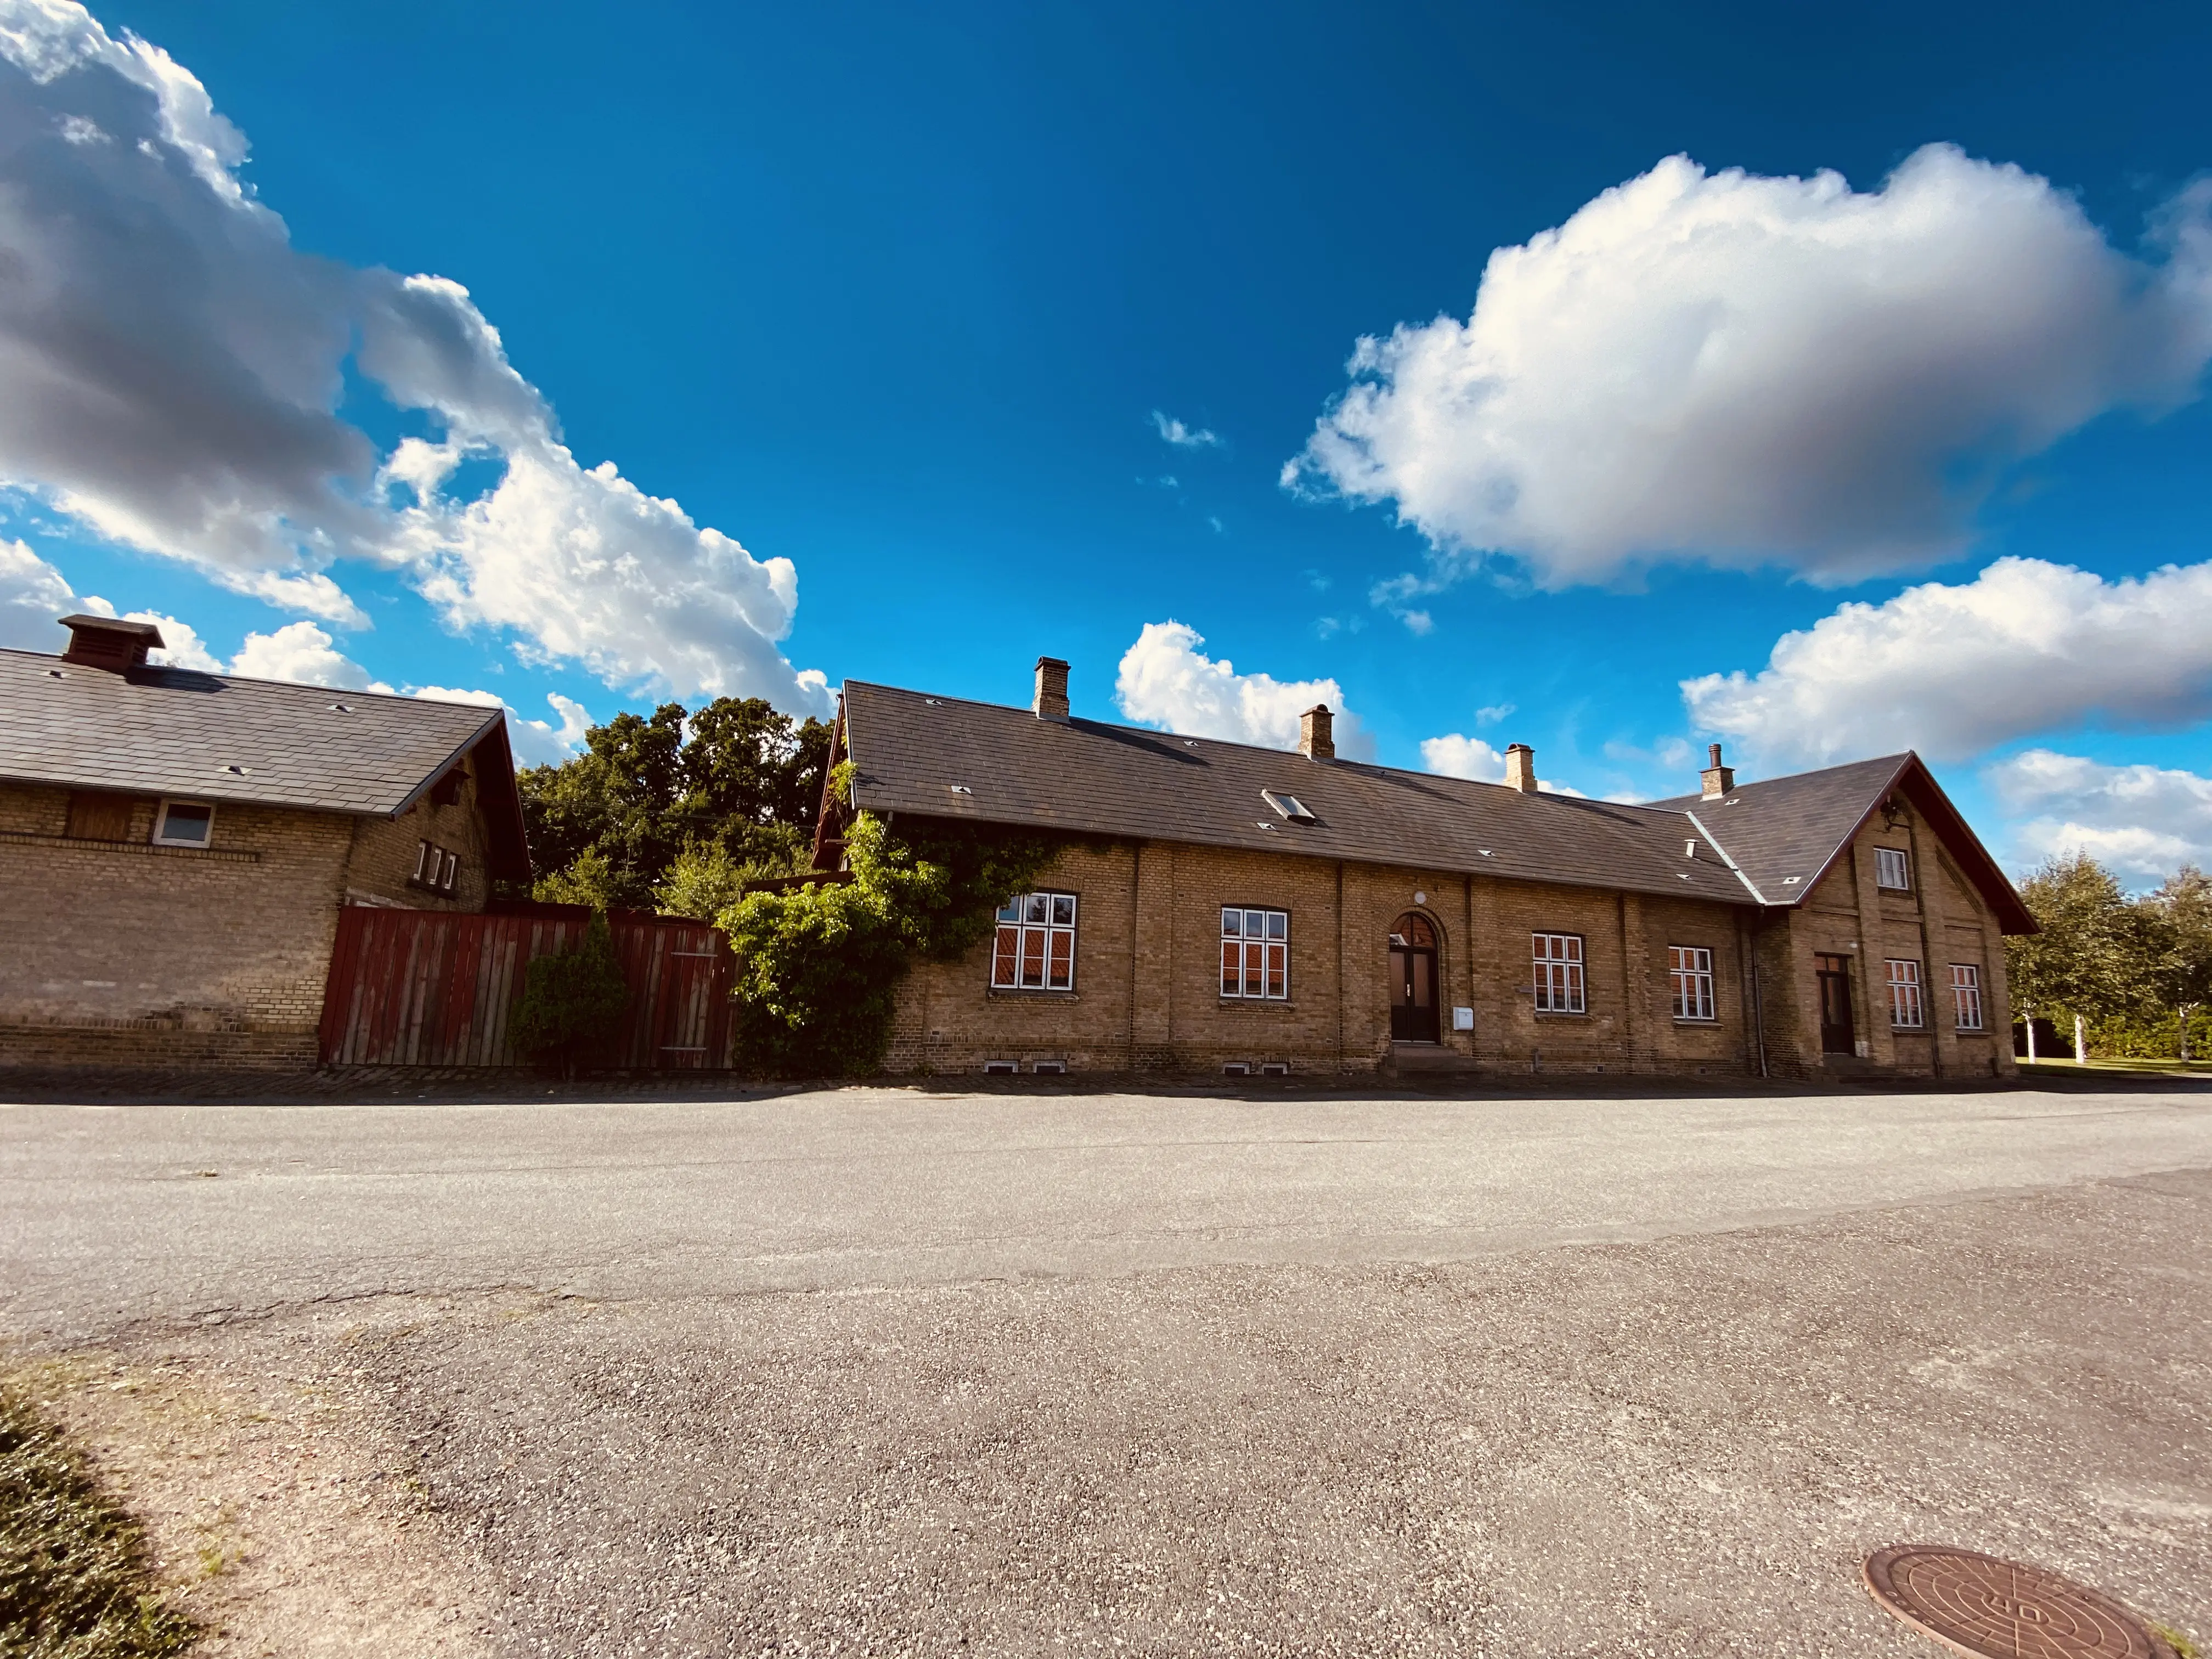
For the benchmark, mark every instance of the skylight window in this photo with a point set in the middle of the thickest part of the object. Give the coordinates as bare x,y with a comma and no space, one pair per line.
1288,806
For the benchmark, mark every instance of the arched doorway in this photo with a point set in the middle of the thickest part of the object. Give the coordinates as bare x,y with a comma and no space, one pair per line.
1412,979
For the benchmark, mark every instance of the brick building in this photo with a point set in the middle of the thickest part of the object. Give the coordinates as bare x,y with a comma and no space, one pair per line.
1224,907
175,847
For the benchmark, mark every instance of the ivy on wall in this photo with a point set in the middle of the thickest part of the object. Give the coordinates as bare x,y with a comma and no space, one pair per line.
818,967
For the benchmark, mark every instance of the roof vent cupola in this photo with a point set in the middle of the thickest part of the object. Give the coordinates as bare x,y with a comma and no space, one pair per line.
109,642
1051,700
1718,779
1317,733
1521,768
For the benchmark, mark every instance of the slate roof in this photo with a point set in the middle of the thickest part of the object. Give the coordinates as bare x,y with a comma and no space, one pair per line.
177,731
1783,833
910,749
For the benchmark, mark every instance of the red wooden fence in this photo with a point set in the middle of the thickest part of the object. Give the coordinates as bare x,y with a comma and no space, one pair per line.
422,988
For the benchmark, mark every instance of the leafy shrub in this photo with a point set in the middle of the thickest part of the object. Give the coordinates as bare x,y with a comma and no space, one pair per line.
818,967
572,1001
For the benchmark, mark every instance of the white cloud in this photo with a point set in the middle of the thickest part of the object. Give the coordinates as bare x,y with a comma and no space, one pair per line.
1455,756
1955,669
301,653
1491,714
2142,821
171,368
1182,436
1166,681
1747,370
535,742
33,595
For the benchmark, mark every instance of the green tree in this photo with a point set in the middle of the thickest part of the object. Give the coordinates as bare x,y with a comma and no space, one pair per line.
818,967
2183,975
572,1003
733,773
2083,961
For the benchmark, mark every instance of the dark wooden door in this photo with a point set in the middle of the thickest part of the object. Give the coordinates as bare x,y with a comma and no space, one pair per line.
1412,980
1837,1035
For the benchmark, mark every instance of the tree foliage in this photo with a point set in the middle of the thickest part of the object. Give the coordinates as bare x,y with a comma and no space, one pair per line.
573,1001
734,777
818,967
2137,970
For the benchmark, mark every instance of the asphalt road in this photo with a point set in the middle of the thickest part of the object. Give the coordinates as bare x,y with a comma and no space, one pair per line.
881,1372
115,1213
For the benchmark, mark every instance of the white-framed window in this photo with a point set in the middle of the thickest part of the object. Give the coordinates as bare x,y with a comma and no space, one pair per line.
1691,966
1035,950
436,867
1904,1012
1892,869
1966,995
183,824
1255,953
1558,972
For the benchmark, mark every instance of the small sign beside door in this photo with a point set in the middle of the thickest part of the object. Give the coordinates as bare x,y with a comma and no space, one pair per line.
1462,1019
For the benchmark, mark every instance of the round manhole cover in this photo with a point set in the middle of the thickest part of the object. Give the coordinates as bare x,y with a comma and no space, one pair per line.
1997,1609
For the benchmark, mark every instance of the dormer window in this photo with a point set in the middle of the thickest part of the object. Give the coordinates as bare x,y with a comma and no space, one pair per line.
1891,870
183,824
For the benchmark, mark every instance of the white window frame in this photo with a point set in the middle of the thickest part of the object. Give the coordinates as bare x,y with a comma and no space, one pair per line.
437,869
1907,1012
1966,995
1691,967
162,822
1892,869
1050,920
1263,960
1560,985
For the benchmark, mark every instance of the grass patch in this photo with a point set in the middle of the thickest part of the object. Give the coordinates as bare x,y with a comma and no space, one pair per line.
75,1580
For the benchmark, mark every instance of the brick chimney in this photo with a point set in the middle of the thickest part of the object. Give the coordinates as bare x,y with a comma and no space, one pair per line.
1317,733
1051,700
1718,779
109,642
1521,768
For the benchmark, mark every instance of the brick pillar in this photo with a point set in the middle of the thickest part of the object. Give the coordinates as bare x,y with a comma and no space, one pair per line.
1996,994
1873,988
1494,986
1936,947
1152,934
1636,979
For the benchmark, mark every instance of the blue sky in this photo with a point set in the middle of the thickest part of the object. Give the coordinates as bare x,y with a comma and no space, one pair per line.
913,300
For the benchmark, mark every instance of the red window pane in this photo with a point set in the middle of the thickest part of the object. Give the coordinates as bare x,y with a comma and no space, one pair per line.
1063,961
1033,956
1278,971
1003,955
1253,953
1232,968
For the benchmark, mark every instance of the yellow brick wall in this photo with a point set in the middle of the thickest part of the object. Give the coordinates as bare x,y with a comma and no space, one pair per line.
124,953
1148,993
236,937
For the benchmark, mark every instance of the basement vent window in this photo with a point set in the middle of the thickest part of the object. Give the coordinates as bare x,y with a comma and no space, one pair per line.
1050,1068
1275,1068
1236,1068
1000,1068
1289,806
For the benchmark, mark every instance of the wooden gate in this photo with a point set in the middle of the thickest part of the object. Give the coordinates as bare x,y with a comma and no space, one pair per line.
423,987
